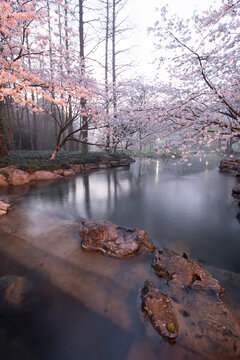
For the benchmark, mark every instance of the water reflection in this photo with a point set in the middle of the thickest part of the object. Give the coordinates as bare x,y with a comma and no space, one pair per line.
176,204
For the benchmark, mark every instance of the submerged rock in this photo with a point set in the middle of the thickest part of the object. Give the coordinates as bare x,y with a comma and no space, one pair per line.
205,324
157,307
113,240
16,294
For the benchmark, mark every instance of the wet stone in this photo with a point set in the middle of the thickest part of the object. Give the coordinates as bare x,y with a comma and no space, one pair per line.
158,309
205,324
112,239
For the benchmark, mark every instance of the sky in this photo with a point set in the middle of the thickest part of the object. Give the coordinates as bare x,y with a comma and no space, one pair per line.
142,14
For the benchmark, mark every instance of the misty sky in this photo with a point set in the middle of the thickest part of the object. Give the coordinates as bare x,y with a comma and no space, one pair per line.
142,14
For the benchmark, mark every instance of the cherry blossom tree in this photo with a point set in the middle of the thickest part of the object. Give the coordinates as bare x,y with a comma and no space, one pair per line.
202,96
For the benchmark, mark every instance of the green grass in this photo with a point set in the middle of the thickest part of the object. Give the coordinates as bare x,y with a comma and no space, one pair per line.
31,161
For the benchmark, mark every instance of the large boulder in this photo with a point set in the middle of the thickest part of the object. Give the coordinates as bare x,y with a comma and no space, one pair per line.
17,294
113,240
7,171
19,177
205,325
45,175
68,172
3,180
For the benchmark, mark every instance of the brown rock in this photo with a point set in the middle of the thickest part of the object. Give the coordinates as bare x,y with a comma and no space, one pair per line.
206,326
3,180
77,168
68,172
58,171
184,273
4,206
231,166
113,240
158,309
7,171
19,177
44,175
16,293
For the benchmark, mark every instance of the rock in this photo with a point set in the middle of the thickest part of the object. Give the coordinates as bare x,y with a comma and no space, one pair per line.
4,206
184,273
77,168
158,309
102,166
230,165
44,175
124,162
205,324
113,240
7,171
114,163
3,180
19,177
58,171
68,172
236,190
90,167
16,294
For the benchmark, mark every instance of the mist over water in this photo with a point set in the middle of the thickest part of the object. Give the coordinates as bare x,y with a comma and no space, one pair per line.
182,207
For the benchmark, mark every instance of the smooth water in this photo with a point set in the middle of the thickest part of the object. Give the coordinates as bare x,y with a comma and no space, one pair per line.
181,207
90,303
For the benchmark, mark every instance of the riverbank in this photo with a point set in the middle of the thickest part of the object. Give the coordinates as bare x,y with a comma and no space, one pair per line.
23,167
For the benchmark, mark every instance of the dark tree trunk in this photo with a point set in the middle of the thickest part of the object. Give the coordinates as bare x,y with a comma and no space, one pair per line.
3,148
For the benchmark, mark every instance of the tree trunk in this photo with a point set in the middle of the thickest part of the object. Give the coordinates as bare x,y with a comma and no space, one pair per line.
82,64
106,76
3,149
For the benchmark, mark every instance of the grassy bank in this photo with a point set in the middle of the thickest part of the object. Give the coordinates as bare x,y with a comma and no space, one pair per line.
40,160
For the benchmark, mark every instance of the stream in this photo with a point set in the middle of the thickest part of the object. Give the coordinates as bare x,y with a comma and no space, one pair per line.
88,304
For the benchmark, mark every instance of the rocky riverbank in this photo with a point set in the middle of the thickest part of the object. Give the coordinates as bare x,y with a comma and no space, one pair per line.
231,166
13,176
187,301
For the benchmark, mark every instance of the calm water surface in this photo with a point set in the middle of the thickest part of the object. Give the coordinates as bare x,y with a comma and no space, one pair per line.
183,208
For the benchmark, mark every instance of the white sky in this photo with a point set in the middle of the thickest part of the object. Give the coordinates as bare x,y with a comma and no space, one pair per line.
142,15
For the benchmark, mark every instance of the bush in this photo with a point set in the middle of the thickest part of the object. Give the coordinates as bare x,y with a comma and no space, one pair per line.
31,161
